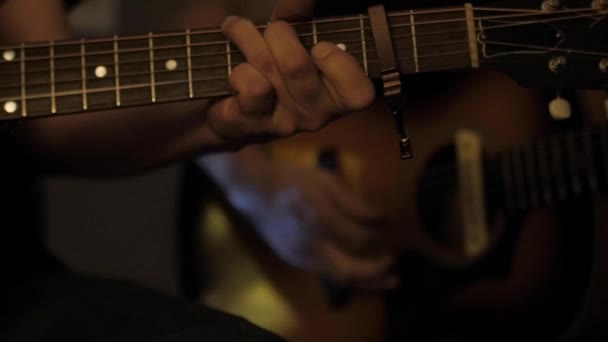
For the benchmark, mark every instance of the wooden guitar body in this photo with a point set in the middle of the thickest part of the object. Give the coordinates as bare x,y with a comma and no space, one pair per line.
505,293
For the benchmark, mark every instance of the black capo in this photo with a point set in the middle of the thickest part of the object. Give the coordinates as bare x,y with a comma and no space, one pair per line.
389,71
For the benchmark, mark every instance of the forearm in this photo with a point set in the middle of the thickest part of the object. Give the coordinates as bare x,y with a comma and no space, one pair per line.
120,142
106,143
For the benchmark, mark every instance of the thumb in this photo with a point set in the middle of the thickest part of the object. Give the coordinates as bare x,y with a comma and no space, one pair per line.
293,10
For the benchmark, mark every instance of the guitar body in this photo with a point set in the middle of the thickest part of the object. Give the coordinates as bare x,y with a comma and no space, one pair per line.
508,292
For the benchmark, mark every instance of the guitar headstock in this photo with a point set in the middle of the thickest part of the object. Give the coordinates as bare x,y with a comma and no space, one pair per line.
551,46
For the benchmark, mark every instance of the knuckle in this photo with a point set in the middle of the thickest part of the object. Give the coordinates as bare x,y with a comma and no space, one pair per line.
298,66
314,124
286,128
324,52
264,62
249,84
259,90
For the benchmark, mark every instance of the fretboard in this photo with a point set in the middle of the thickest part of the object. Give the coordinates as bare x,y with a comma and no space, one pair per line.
97,74
558,169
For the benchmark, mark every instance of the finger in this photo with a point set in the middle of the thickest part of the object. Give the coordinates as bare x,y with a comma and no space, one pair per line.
299,74
231,125
347,270
246,37
348,234
346,82
253,92
291,10
352,204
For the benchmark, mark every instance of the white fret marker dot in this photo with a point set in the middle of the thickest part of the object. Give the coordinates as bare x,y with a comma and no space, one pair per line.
8,55
341,46
10,107
101,71
171,64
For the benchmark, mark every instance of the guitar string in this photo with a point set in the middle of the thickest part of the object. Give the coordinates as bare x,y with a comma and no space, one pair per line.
175,82
223,42
233,54
494,183
369,51
570,51
528,46
439,171
494,179
60,81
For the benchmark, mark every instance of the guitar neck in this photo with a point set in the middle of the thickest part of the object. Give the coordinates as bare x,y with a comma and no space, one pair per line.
558,169
538,48
99,74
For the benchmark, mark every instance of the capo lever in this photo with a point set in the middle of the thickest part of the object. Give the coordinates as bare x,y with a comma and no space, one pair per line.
405,146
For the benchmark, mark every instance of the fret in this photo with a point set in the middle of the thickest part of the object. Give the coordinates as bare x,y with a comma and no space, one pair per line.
346,34
315,37
136,78
152,80
363,44
560,178
228,58
543,170
573,164
83,68
116,71
414,40
590,159
52,68
23,79
68,78
443,45
189,56
173,69
532,179
519,180
36,81
472,36
401,30
11,81
305,32
102,80
507,176
209,63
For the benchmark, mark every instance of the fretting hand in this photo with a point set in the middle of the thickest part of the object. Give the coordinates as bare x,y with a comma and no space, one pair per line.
283,88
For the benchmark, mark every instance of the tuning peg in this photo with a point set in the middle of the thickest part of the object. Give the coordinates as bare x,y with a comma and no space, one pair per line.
550,5
599,4
560,108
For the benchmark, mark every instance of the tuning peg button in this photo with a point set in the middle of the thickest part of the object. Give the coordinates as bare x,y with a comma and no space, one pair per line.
560,109
550,5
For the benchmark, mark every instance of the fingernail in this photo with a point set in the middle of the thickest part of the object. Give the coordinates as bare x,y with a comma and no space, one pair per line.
229,20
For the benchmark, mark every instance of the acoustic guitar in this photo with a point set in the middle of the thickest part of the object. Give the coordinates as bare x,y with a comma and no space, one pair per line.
532,270
542,46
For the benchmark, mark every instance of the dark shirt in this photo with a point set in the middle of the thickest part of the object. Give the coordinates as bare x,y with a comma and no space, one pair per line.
22,243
